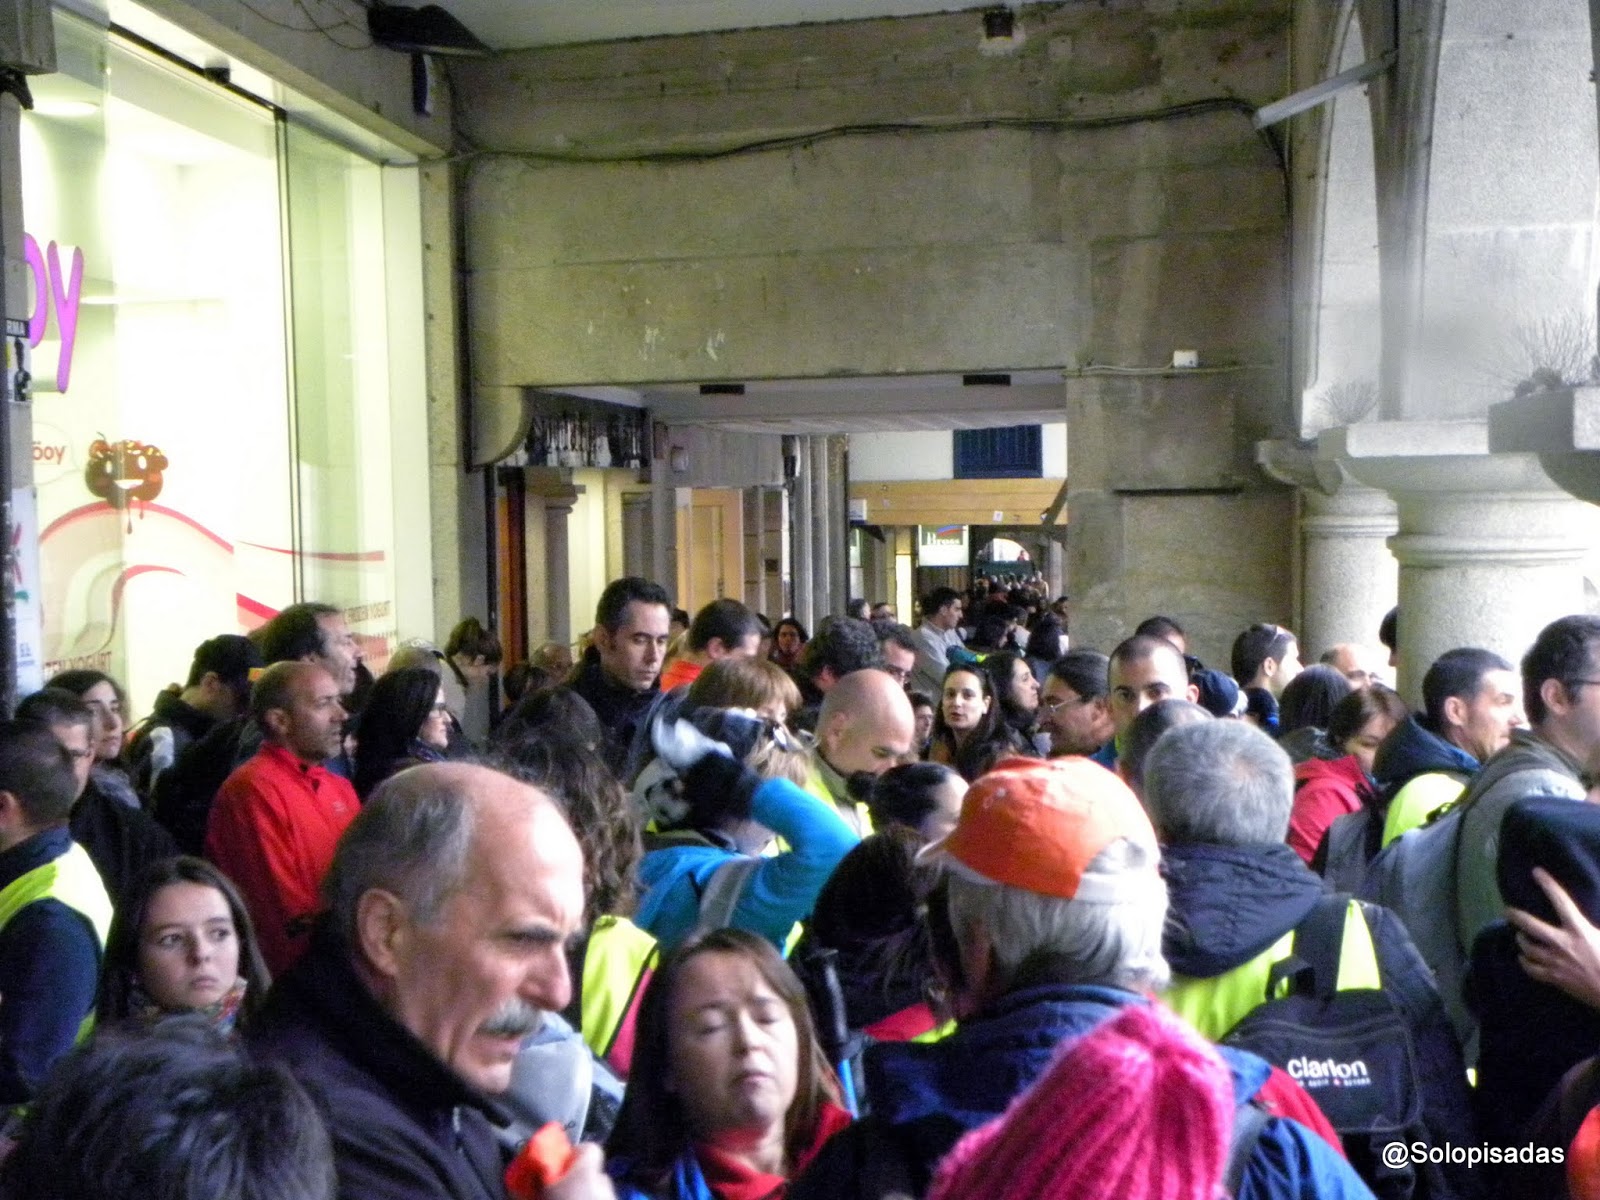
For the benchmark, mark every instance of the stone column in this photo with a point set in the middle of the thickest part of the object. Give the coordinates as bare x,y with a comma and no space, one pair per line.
1055,575
820,532
1348,579
801,541
1490,550
552,490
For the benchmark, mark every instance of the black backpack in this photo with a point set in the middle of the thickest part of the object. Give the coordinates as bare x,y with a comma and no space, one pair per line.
1350,1048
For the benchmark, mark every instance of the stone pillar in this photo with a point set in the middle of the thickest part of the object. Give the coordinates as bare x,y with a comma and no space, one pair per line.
1490,550
1348,579
552,490
820,530
557,583
1055,575
801,542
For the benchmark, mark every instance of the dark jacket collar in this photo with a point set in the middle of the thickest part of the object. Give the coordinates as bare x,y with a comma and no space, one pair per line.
37,850
607,697
974,1073
172,708
323,988
1229,903
1414,749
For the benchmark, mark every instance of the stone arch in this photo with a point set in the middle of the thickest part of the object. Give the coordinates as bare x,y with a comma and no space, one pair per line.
1510,254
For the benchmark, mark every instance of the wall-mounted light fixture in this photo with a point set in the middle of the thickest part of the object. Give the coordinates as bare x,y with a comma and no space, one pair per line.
426,30
1002,32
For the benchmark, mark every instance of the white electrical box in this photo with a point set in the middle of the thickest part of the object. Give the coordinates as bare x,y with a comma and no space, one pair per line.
1186,358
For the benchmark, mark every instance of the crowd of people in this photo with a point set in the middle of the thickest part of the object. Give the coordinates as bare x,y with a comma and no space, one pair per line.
723,909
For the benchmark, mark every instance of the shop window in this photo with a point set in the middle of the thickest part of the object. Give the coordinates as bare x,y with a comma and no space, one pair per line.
213,376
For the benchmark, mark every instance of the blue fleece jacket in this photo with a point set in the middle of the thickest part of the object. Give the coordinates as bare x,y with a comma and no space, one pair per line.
783,888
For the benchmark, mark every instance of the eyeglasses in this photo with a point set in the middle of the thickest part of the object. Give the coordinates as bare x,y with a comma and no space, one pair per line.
1052,709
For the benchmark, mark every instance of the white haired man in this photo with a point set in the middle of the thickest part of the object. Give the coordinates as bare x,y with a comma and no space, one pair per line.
1055,909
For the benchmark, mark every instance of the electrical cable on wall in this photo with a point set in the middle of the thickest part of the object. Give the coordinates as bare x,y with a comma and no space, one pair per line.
315,26
1192,108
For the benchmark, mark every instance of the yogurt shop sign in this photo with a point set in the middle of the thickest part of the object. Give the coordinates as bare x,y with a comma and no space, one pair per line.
57,288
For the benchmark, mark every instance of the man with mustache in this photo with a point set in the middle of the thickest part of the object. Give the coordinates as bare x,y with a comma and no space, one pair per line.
450,902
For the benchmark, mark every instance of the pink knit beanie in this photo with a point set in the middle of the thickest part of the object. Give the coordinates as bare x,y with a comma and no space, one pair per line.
1140,1108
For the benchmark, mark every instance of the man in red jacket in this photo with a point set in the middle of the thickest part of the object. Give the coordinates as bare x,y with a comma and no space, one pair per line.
278,817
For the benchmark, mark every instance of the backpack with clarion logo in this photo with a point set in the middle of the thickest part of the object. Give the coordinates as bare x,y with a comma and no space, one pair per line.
1330,1025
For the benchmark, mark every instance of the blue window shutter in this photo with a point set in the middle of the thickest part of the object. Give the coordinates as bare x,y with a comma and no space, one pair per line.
1011,452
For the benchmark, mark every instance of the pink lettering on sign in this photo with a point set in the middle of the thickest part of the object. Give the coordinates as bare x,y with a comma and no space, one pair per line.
39,320
52,288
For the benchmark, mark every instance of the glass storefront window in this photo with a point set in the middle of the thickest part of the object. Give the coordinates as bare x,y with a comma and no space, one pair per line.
214,380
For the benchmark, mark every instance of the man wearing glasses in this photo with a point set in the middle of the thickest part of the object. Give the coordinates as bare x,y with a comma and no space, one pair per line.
1556,757
1072,704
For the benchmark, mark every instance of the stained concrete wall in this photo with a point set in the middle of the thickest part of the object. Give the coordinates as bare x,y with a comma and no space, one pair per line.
1011,235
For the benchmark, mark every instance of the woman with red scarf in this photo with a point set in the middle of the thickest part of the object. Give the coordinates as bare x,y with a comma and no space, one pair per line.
730,1095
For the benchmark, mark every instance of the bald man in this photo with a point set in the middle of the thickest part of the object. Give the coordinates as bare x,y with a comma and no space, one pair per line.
865,727
278,817
451,901
1359,664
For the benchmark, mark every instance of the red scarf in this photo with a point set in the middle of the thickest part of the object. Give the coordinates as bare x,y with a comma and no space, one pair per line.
731,1178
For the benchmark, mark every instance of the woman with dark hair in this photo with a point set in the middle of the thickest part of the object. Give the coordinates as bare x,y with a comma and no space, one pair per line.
789,638
472,654
551,712
1304,708
1017,691
731,1095
552,740
472,651
968,733
869,927
406,721
922,797
182,942
1324,790
109,705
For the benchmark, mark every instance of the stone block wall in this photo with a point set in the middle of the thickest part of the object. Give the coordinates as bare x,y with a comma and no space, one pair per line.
876,198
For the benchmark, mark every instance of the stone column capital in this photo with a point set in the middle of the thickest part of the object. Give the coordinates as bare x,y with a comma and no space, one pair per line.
1562,427
1408,458
1296,462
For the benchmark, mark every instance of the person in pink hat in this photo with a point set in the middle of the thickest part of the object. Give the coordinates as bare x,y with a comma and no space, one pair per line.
1140,1108
1050,927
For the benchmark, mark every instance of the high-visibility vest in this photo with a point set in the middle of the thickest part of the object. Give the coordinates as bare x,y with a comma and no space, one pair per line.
616,963
1214,1006
72,880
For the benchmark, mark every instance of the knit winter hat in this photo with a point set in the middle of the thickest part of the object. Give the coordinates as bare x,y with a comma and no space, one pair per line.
1140,1108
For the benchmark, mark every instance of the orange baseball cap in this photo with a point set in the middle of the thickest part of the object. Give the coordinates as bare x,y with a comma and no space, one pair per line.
1036,825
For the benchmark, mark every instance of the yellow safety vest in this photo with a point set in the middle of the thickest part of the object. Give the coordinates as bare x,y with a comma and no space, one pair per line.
72,880
1214,1006
618,958
1415,803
